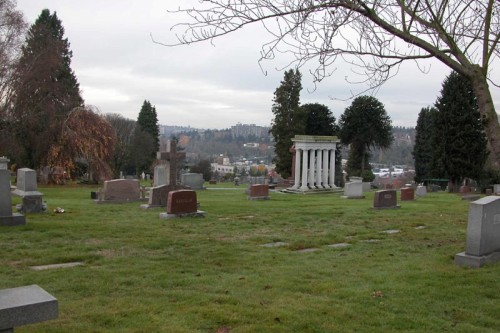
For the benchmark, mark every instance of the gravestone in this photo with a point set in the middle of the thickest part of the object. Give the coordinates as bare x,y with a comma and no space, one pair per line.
7,218
389,186
483,234
161,175
120,191
353,190
26,188
165,177
259,192
25,305
407,194
421,191
496,189
182,203
385,199
194,180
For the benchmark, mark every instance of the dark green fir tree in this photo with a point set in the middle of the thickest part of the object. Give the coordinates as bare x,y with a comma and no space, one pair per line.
45,89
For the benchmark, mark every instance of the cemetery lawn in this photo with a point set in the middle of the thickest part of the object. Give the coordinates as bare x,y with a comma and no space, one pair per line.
143,274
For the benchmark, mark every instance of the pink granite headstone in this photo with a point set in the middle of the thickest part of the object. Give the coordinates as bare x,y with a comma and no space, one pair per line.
182,202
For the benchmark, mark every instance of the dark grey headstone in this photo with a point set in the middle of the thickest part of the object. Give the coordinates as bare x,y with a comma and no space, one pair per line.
26,305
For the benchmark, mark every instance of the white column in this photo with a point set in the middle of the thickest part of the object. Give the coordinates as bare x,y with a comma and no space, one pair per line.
325,168
332,168
319,167
305,154
312,168
297,169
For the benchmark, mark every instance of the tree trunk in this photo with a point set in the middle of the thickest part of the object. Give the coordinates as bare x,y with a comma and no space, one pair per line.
489,117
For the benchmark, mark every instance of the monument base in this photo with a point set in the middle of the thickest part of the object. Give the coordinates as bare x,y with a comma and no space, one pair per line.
199,213
391,207
15,219
258,198
353,196
334,190
464,259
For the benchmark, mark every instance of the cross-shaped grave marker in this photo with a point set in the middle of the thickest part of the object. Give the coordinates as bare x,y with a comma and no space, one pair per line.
172,156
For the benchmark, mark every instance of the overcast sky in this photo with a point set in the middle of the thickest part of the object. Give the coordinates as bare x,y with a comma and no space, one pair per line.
118,66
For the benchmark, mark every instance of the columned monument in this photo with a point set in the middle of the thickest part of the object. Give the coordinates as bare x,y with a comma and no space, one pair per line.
314,165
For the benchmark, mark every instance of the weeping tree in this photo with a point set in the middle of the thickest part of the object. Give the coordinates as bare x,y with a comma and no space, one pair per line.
373,36
88,136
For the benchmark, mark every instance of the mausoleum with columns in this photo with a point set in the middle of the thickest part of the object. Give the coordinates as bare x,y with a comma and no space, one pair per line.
314,164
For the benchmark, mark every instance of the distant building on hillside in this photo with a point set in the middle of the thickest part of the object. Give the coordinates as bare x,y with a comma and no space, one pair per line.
249,130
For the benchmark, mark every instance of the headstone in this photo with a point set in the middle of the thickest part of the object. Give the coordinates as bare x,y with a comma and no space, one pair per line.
26,180
483,234
7,218
212,181
182,203
26,188
389,186
259,192
385,199
172,157
25,305
353,190
496,189
161,175
158,196
421,191
194,180
407,194
120,191
488,191
236,181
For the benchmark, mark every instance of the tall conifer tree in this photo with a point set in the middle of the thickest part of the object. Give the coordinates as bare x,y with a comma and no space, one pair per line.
46,89
459,125
423,150
146,138
288,120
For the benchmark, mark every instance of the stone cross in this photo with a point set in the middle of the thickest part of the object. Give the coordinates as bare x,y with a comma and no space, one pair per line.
172,156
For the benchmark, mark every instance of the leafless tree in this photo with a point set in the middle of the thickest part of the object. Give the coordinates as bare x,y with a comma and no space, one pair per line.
374,36
12,29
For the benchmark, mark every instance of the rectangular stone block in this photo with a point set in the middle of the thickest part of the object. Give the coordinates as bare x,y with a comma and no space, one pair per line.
496,189
353,190
26,305
421,191
182,202
194,180
385,199
158,196
121,190
26,180
161,175
259,191
5,196
407,194
483,227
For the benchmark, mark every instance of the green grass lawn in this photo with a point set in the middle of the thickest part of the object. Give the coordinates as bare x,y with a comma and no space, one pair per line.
143,274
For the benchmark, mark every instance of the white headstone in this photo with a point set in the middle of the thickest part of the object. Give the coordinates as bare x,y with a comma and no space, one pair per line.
483,233
353,190
162,175
421,191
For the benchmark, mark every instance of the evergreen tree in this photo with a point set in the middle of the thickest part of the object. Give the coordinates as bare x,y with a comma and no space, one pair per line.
364,125
320,121
423,149
148,122
460,130
145,148
288,119
45,89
